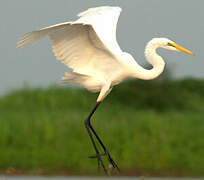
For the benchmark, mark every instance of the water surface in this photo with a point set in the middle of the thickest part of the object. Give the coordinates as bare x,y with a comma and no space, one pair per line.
87,178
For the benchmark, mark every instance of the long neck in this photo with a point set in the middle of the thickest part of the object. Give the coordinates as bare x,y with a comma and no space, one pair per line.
154,59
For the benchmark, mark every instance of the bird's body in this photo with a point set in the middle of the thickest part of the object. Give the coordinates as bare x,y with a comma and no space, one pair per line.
89,47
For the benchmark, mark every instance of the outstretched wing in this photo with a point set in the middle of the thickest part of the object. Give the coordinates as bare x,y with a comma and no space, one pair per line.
84,42
104,22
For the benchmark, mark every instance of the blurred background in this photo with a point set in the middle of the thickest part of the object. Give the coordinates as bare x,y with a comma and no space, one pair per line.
152,128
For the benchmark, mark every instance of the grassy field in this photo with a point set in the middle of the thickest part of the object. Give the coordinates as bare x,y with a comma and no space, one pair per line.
151,127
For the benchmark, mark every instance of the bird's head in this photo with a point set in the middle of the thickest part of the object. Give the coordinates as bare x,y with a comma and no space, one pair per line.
169,44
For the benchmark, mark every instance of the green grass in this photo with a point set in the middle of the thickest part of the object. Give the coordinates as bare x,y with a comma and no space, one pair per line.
153,127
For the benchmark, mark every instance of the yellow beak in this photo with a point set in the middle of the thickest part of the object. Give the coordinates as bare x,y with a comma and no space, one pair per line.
182,49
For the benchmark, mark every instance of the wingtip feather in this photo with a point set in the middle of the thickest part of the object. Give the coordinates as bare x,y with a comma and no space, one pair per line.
95,9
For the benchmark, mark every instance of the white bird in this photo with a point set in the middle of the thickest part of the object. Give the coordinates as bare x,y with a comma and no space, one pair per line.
89,47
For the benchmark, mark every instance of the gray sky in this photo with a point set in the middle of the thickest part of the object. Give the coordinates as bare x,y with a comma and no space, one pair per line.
140,21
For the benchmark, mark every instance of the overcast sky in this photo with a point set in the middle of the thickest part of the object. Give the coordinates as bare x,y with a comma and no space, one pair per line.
179,20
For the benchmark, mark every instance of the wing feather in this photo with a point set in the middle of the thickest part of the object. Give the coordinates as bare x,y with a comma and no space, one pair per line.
104,21
86,44
34,36
76,45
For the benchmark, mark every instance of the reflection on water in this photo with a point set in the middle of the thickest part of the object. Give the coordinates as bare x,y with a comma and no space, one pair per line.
87,178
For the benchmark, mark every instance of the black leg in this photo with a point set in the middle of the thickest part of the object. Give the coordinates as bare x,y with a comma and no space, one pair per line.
97,151
110,159
87,125
98,155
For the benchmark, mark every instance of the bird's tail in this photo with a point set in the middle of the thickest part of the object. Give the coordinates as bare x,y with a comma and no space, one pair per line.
74,78
84,80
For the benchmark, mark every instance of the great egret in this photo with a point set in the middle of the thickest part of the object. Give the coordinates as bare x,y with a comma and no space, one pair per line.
89,47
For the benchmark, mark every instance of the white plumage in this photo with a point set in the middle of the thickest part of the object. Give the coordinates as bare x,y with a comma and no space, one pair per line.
89,47
83,46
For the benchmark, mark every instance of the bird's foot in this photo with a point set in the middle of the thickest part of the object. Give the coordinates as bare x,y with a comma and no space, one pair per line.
110,159
100,161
